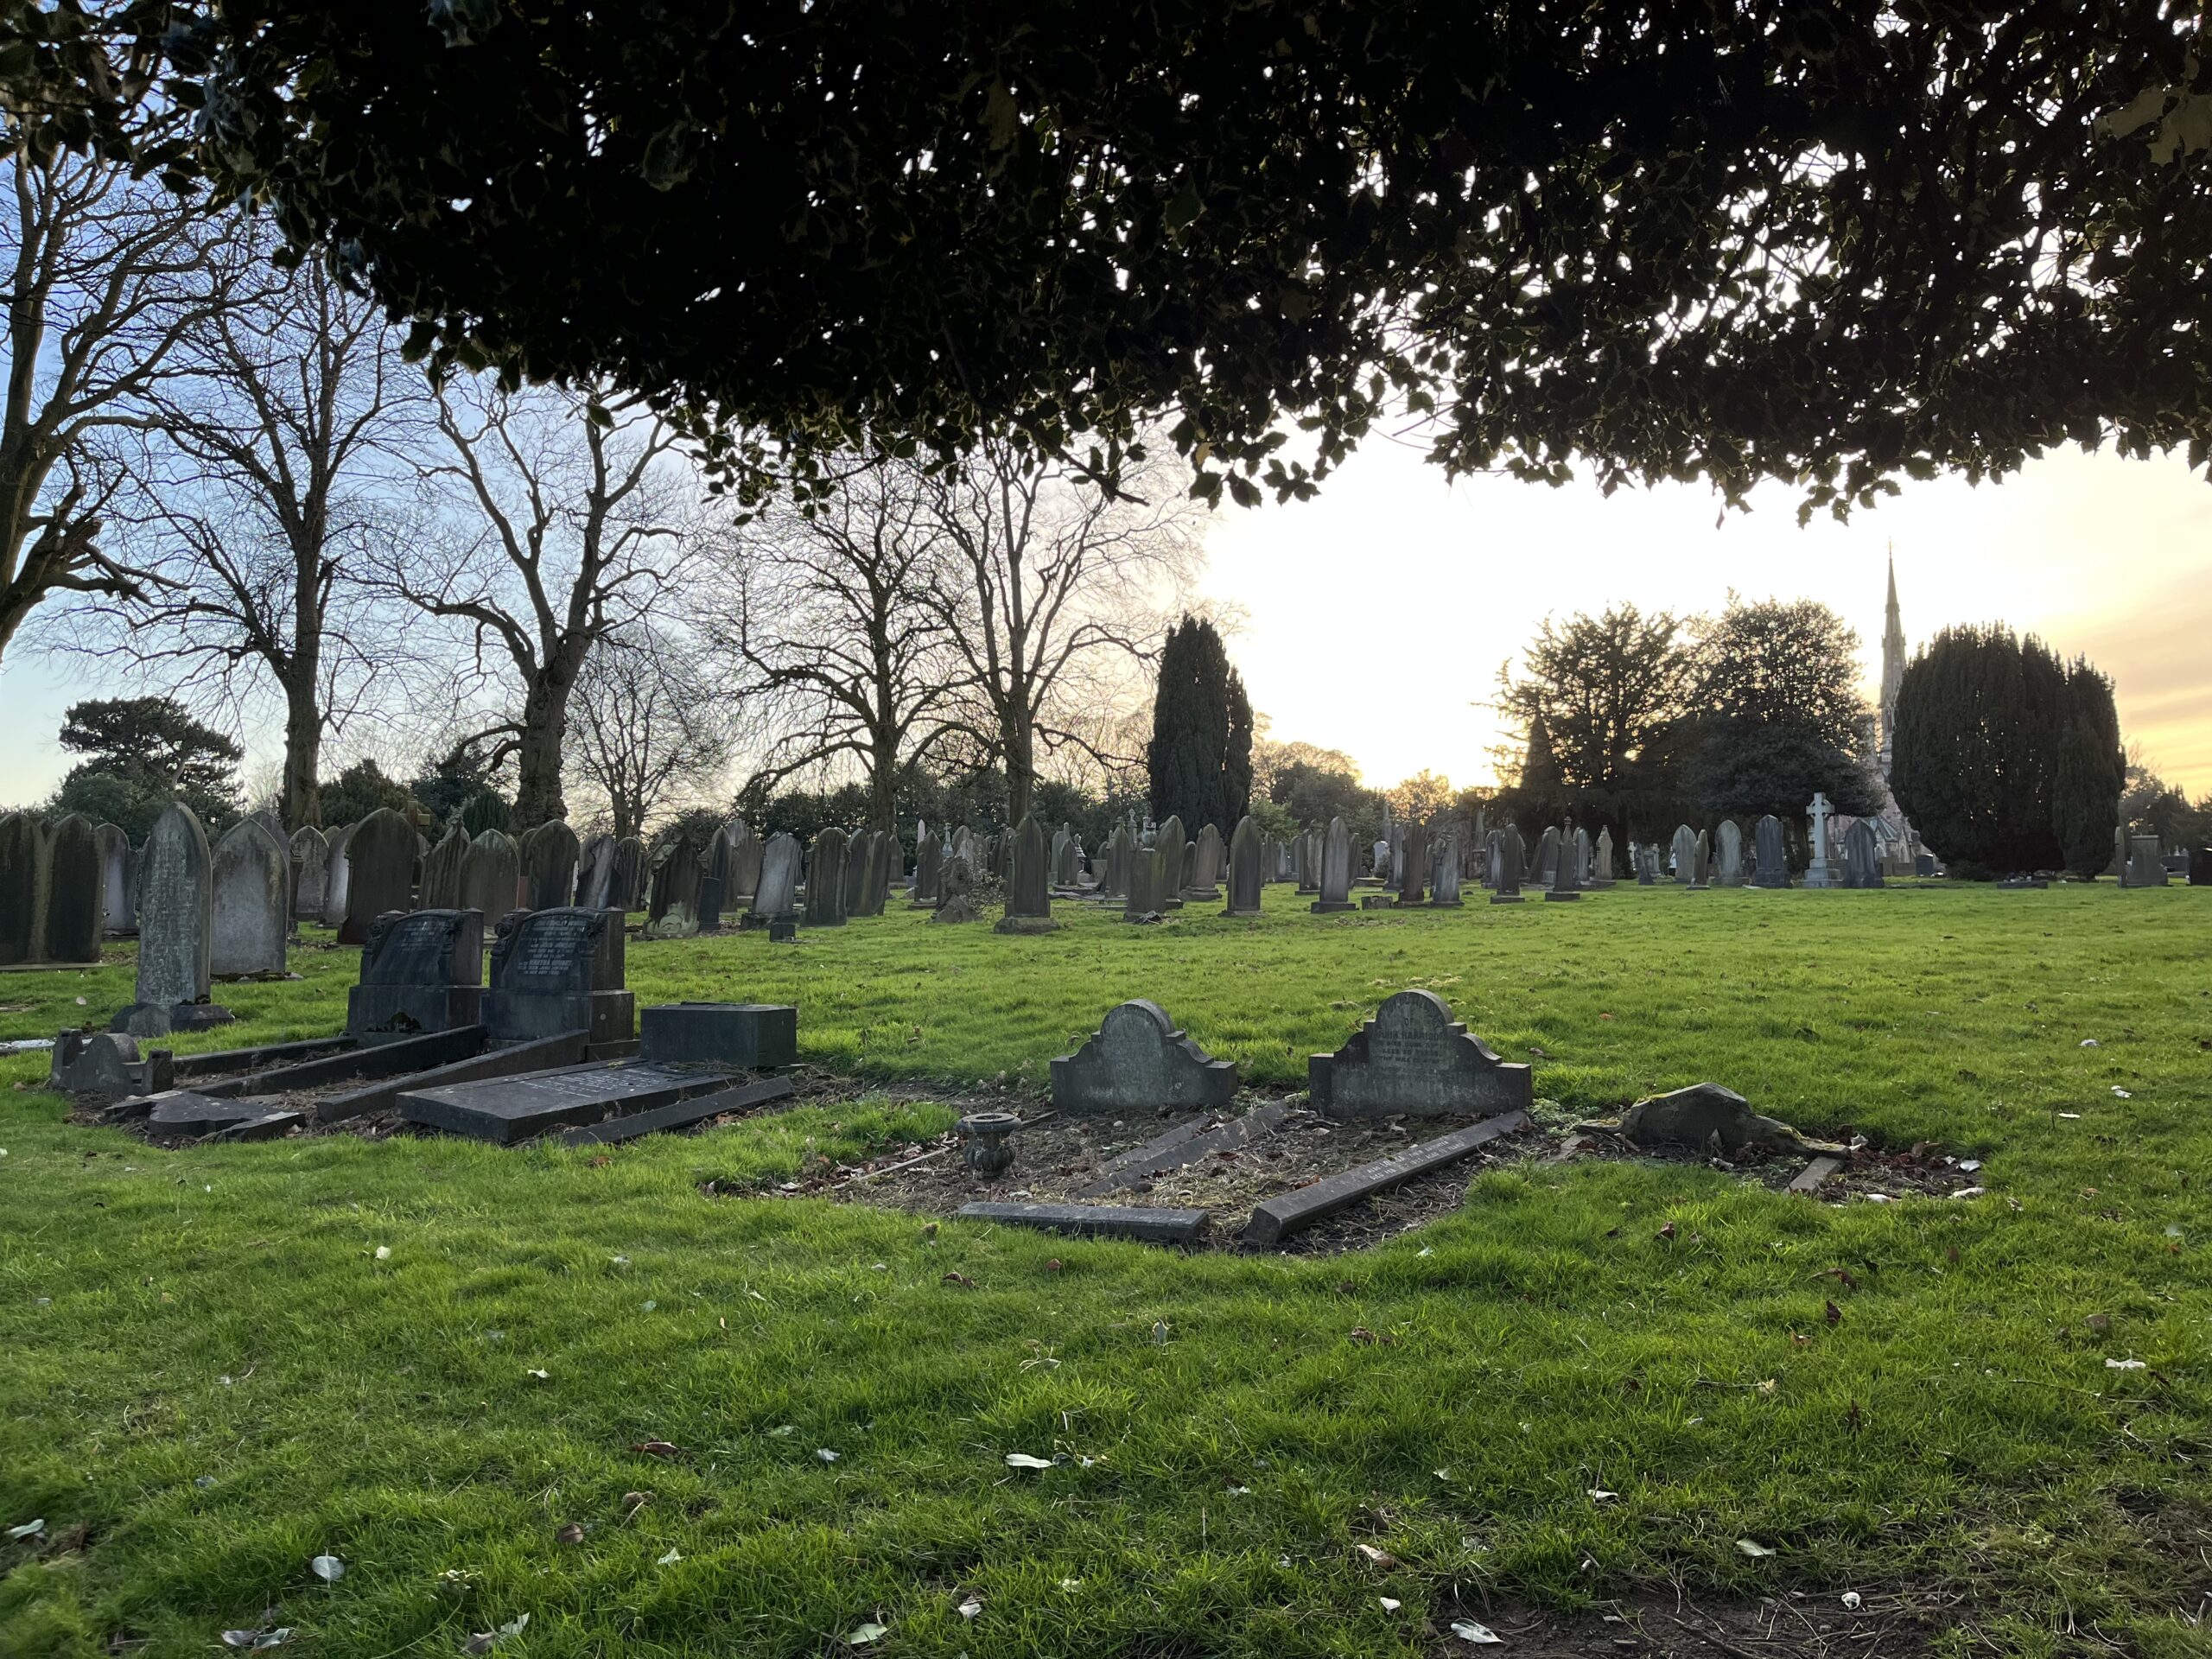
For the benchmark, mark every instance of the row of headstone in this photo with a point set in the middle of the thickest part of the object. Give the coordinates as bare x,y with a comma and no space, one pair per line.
56,887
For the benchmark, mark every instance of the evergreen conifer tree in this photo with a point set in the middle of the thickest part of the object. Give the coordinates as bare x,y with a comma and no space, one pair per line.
2091,773
1237,758
1191,720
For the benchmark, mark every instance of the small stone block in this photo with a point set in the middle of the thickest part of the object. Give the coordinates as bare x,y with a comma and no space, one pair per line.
1329,906
746,1036
107,1064
1553,896
1505,899
1278,1218
1815,1174
1378,901
1095,1220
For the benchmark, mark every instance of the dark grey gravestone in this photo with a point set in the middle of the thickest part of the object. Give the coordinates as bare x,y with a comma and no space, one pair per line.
1412,857
1862,855
744,882
1094,1220
1174,857
559,970
490,875
929,871
310,850
549,855
421,971
1336,870
714,885
441,871
1029,895
1139,1061
73,891
1505,867
508,1110
776,896
595,874
1244,869
22,888
884,862
858,848
1546,868
107,1064
825,881
337,878
672,910
1205,864
186,1112
380,860
1565,886
252,910
1413,1058
745,1036
176,889
626,891
117,914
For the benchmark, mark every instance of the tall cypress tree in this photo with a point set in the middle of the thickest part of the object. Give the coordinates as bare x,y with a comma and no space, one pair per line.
1236,757
1190,756
2091,773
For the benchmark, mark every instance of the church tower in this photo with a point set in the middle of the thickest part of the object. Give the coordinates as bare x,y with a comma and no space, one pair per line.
1892,667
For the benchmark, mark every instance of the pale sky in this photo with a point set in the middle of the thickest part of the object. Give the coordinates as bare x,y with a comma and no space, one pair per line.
1377,615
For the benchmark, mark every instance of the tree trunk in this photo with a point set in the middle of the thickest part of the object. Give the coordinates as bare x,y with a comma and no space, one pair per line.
544,723
1020,769
883,786
300,804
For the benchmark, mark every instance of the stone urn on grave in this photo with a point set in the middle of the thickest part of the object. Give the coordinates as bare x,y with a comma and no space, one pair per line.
986,1146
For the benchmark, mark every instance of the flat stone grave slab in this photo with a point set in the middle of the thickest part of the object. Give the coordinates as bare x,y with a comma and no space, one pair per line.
680,1116
1180,1147
1278,1218
186,1111
508,1110
747,1036
1095,1220
567,1049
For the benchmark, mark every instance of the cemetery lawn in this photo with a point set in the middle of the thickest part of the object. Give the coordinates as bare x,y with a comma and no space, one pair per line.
427,1358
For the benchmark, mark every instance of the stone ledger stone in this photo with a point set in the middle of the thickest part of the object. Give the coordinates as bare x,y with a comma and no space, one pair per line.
1139,1061
1413,1058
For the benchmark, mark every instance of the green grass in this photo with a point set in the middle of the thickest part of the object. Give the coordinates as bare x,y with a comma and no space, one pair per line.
220,1315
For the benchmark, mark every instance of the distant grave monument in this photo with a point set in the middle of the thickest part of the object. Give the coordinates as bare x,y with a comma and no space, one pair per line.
1862,855
775,898
490,875
1244,876
441,871
118,915
1728,870
73,891
1028,894
672,910
1771,868
549,855
825,881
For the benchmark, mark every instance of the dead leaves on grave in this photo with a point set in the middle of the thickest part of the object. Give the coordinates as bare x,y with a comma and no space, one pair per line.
658,1448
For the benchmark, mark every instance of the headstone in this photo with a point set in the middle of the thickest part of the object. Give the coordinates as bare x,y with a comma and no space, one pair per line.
2145,868
1336,870
1147,880
1379,860
929,872
107,1064
1564,885
857,847
776,896
672,908
825,881
1028,894
745,1036
337,878
177,901
1704,878
1862,855
628,887
1139,1062
1307,860
883,856
549,866
1601,875
1770,853
251,910
1684,855
595,874
1413,1058
1819,873
745,851
1448,876
73,891
2200,867
1205,866
22,888
1728,870
1512,851
1546,870
421,972
1174,855
1412,859
491,876
441,871
956,892
119,916
559,970
1244,869
380,863
310,872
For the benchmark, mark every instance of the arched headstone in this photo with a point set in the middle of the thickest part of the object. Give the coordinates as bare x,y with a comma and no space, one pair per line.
73,891
380,859
175,909
251,903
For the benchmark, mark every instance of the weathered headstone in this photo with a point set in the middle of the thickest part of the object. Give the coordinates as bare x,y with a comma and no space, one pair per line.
595,874
1819,873
1684,850
1448,876
549,855
776,896
421,972
1601,873
380,871
1413,1058
826,879
744,851
1244,869
2145,868
310,872
117,914
559,970
883,858
1336,870
1505,885
1728,870
627,891
22,888
1174,848
672,908
1564,882
337,878
1028,894
1138,1061
1770,853
929,872
73,891
252,907
108,1065
176,900
1412,860
491,876
956,893
441,871
1205,866
1862,855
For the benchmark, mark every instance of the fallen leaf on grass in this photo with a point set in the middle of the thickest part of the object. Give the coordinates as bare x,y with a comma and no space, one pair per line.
861,1635
673,1556
484,1641
1834,1314
328,1568
571,1534
1668,1231
258,1641
960,1279
1756,1552
1366,1338
29,1529
633,1502
1381,1560
658,1448
1467,1631
1023,1461
1841,1275
1053,1266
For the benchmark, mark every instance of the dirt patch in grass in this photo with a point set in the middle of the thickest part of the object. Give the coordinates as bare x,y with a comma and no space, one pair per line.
1797,1625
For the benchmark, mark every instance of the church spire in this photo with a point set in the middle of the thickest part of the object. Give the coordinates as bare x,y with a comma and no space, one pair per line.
1892,664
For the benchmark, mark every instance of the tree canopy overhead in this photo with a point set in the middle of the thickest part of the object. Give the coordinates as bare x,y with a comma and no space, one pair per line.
1815,239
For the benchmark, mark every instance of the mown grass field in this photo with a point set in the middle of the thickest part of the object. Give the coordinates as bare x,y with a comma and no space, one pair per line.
210,1374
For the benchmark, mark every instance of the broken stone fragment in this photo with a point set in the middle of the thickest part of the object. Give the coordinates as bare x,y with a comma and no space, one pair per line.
1704,1114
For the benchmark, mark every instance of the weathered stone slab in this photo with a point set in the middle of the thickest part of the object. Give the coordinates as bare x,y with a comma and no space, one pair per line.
1413,1058
267,1126
508,1110
1184,1145
747,1036
381,1096
420,972
1278,1218
1139,1061
1811,1176
1095,1220
186,1111
680,1114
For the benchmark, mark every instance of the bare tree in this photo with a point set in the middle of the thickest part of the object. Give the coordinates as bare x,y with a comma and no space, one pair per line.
836,634
104,273
261,500
560,519
1051,589
646,720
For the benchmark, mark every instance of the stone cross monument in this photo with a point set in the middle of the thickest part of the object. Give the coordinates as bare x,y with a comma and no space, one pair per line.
1817,873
